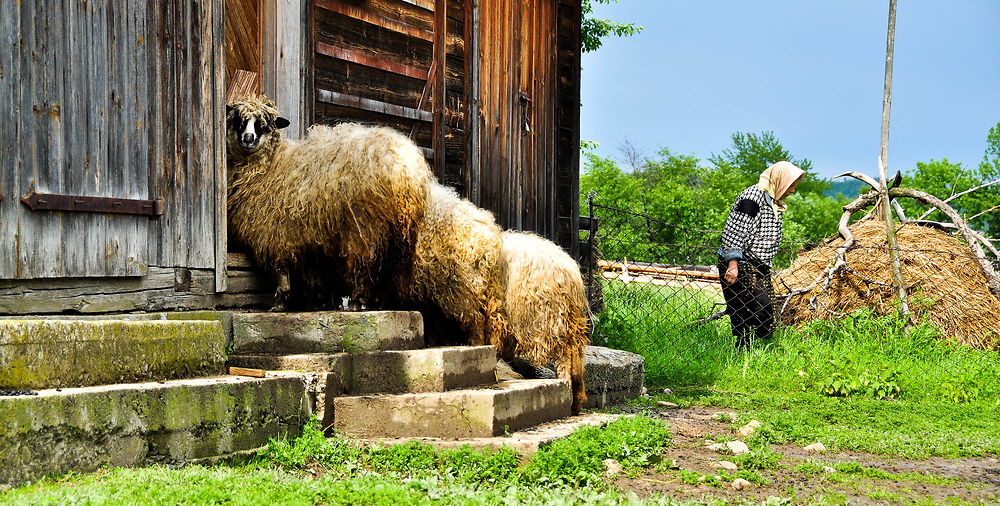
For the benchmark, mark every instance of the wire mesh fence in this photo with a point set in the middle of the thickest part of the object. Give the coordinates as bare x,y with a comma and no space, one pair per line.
655,290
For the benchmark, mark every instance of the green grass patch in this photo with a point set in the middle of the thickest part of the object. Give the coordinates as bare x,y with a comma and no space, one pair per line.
862,382
861,355
311,469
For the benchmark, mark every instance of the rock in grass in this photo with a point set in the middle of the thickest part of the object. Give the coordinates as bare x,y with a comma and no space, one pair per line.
829,470
725,464
612,468
748,429
816,448
665,404
741,484
735,447
667,391
738,447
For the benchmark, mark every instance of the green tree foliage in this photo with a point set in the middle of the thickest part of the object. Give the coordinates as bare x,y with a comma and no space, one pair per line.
594,30
944,179
752,153
688,202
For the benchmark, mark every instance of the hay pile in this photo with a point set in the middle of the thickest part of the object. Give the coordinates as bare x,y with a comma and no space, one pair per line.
946,285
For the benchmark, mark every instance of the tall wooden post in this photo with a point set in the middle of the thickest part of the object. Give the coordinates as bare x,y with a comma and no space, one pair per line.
883,163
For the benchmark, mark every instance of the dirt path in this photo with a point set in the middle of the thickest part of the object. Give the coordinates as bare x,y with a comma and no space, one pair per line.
978,479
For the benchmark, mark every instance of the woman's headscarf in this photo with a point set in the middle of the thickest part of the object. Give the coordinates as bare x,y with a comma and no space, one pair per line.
777,179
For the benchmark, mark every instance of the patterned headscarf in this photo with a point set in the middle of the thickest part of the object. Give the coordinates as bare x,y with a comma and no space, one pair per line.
777,179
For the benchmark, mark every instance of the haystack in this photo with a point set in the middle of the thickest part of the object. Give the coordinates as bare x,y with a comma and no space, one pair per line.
945,284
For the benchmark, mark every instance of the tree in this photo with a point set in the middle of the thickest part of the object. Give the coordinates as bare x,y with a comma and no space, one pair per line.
752,153
944,179
593,30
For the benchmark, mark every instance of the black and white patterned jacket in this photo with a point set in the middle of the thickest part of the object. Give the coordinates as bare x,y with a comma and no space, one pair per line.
753,229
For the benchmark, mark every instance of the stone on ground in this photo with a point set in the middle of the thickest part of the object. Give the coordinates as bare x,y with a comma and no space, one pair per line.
741,484
612,375
725,464
83,429
816,447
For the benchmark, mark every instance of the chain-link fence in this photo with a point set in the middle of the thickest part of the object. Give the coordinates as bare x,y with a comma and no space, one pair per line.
655,290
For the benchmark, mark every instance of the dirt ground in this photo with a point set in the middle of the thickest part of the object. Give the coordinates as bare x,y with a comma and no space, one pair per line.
979,478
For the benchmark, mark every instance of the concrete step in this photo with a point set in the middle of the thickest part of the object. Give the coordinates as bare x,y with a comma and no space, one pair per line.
485,412
326,332
525,442
391,372
71,353
83,429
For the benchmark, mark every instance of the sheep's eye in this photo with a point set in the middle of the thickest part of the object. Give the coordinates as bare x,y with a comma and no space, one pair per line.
261,127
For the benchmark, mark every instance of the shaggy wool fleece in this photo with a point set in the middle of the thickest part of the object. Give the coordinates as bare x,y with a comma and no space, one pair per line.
546,307
457,266
347,198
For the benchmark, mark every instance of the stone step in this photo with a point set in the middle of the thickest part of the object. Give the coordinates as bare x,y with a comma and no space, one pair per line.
173,422
485,412
390,372
326,332
71,353
525,442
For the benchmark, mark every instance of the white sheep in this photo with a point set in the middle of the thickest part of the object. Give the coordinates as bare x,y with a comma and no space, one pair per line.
457,265
347,199
546,308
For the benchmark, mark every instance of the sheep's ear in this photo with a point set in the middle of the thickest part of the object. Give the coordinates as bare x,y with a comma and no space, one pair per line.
281,122
229,109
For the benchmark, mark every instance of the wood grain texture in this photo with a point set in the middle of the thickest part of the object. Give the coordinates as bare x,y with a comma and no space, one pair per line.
113,98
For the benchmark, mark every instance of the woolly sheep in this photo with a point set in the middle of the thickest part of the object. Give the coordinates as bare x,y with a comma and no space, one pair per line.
347,199
457,265
546,308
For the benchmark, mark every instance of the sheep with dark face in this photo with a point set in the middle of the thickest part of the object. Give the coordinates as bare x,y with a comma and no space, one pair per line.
344,203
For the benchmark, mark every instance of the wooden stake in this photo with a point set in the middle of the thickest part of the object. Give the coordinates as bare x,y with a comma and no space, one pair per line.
883,161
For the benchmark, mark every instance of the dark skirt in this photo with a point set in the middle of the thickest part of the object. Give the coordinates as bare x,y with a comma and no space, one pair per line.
749,302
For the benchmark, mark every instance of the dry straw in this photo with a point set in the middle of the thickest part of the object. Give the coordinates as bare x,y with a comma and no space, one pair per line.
944,283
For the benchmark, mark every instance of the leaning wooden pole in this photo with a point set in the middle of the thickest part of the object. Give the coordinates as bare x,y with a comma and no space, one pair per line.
883,163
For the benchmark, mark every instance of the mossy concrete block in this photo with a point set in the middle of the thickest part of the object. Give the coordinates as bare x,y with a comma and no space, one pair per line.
612,376
70,353
428,370
485,412
83,429
326,332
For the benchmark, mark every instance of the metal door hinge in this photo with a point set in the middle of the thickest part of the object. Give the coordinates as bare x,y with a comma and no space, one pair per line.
82,203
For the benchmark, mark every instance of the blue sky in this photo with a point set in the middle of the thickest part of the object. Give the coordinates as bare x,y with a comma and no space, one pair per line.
811,72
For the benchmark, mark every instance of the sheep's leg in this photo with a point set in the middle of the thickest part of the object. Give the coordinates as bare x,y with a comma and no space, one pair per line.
570,367
281,294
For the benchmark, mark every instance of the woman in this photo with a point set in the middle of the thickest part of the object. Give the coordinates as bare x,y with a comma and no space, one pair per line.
749,243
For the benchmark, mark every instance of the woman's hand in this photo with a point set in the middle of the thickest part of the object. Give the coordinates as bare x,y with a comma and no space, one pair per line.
732,272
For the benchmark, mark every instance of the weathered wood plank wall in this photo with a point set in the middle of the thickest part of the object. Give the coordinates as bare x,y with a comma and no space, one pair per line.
374,62
113,98
528,90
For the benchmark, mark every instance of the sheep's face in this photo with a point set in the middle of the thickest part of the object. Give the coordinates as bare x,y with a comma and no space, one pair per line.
248,128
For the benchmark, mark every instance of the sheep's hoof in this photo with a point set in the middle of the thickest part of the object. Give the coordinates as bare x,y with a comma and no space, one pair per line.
277,308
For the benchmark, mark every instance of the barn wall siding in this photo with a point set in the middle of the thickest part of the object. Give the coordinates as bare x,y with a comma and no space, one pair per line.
114,98
528,136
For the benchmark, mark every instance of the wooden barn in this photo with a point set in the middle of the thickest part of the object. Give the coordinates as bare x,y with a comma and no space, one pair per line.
112,162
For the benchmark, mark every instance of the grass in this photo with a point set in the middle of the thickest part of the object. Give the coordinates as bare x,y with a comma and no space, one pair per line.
862,354
858,383
312,469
